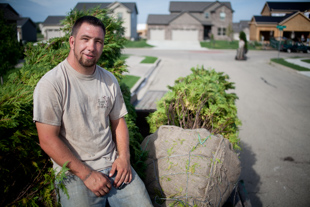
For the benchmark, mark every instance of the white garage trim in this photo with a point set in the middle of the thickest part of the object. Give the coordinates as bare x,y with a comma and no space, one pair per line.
157,34
185,35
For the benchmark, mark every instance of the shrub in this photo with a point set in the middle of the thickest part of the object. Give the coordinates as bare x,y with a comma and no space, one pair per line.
26,171
200,100
10,48
242,36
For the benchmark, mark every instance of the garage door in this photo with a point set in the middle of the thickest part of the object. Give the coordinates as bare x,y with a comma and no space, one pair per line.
185,35
157,34
51,33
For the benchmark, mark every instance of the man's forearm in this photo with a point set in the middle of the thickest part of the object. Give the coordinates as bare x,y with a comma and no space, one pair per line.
121,136
122,164
58,150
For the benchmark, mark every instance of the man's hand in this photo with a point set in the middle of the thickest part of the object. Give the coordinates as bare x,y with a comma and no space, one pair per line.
123,171
98,183
121,165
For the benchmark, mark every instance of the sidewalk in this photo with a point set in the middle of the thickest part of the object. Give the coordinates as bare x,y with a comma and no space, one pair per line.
175,45
142,70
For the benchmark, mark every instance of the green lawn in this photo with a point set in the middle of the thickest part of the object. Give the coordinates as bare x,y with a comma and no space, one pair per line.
220,44
306,60
287,64
124,56
149,59
137,44
224,44
40,37
130,80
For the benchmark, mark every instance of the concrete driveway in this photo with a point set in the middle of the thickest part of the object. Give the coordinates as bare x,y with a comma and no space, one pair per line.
274,107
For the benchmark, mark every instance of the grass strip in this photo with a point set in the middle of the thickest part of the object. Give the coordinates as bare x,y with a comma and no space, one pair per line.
124,56
137,44
220,44
306,60
129,80
281,61
149,59
224,44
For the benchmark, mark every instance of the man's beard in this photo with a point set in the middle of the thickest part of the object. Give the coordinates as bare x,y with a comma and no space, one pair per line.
85,62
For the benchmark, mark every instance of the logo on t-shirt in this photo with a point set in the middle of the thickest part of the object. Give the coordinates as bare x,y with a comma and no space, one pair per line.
103,102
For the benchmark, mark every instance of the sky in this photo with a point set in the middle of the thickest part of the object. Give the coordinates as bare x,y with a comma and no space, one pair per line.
39,10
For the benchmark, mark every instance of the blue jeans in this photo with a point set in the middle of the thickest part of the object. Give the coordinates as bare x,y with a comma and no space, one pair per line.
133,195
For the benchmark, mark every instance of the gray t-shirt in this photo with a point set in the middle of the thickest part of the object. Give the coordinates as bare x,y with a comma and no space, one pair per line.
82,106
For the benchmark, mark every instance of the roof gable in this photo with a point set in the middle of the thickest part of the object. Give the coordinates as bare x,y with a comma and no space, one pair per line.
87,6
8,12
181,6
23,21
53,20
270,7
183,17
160,19
276,19
293,16
267,19
105,5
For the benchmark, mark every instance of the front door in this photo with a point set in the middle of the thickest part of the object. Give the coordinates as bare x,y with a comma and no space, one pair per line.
206,32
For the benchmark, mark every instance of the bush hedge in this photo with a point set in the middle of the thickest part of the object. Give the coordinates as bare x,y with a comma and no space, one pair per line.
200,100
26,171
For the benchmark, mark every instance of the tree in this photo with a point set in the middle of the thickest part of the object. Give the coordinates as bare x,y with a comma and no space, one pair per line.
230,32
242,36
26,171
10,49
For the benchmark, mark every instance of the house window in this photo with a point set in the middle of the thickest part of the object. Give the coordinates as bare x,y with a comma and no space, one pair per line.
221,31
120,15
207,15
222,15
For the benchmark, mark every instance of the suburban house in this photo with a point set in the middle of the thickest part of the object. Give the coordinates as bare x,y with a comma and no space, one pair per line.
51,27
25,28
191,21
293,16
126,11
243,25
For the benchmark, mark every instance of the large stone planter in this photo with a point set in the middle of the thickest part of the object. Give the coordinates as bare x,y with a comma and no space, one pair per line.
189,167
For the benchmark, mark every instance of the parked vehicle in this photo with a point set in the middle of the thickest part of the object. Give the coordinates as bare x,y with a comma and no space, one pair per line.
301,47
288,45
294,47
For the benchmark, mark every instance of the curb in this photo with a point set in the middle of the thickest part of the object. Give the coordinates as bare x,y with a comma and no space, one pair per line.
142,82
283,67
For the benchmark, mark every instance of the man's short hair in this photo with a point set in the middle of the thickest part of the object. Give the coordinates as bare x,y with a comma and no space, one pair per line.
88,19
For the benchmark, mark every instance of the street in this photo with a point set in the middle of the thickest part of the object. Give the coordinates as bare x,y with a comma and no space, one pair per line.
274,107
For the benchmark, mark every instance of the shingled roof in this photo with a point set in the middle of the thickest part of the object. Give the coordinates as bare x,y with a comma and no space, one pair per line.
192,8
104,5
272,19
160,19
240,26
53,20
8,12
179,6
289,6
23,20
